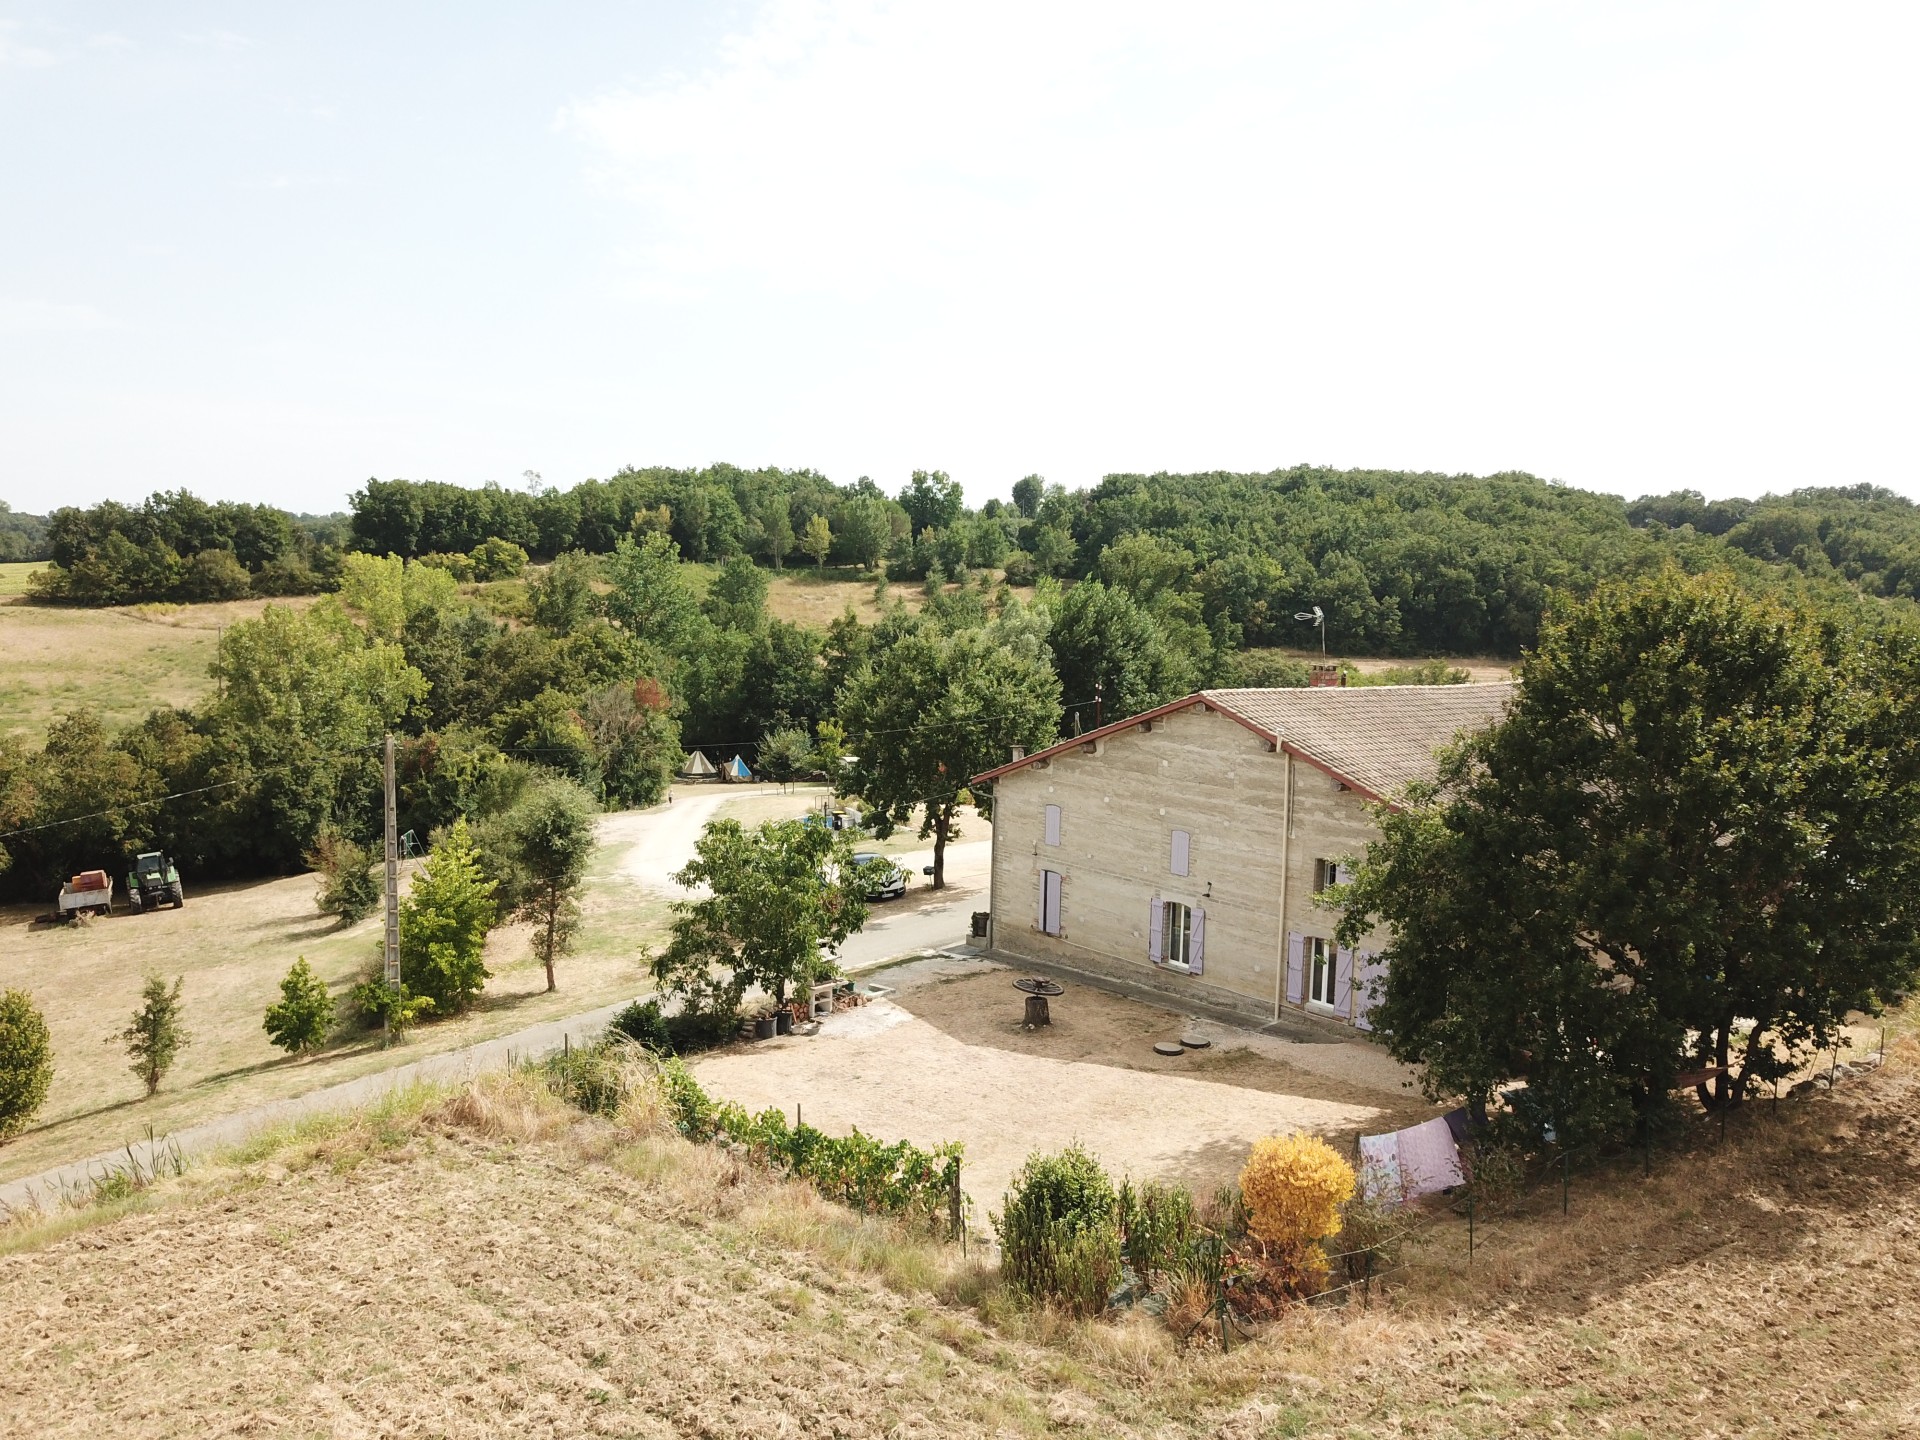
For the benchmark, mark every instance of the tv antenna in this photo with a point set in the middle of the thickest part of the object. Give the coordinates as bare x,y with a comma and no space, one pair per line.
1317,618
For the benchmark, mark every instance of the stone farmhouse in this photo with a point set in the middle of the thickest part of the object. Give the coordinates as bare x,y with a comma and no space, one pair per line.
1182,850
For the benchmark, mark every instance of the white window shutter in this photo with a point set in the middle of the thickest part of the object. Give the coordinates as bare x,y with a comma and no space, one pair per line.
1342,980
1196,944
1182,850
1040,910
1055,886
1053,824
1156,910
1296,969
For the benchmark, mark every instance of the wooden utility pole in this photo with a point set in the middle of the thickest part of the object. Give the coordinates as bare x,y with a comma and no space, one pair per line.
393,881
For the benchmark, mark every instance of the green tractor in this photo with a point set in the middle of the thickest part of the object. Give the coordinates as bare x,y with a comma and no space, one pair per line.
153,882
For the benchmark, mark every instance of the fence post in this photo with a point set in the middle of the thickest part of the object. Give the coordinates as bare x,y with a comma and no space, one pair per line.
1226,1344
1469,1227
1566,1180
954,1205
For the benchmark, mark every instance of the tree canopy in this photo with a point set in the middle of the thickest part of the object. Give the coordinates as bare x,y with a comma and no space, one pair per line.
933,710
1690,846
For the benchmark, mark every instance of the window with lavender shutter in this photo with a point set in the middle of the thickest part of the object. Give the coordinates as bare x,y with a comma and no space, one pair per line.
1053,824
1182,847
1156,917
1343,981
1194,946
1296,969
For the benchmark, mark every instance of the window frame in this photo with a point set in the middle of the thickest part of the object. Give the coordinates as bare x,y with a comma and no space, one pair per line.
1322,962
1167,934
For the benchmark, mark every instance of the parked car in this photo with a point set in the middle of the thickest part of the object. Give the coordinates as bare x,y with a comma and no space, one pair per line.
884,879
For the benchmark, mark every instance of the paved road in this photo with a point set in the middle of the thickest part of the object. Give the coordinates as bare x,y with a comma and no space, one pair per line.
660,841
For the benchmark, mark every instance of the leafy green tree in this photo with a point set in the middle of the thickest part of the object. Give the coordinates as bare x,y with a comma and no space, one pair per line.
562,595
1027,493
1106,646
866,529
935,709
1690,845
650,597
386,592
738,599
26,1062
932,500
300,1023
1052,547
817,539
444,920
548,836
777,896
497,559
786,755
776,527
215,575
635,739
156,1035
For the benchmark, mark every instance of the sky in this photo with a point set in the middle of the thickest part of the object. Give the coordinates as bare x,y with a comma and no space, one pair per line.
266,252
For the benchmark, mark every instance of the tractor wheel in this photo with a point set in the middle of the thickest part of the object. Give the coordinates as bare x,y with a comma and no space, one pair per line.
179,896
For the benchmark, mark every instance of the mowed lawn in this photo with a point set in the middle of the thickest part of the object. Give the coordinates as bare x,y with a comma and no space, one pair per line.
232,944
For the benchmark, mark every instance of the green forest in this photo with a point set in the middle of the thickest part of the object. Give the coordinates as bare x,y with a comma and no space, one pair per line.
505,631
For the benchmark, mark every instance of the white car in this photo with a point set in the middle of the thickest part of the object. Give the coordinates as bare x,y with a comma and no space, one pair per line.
885,880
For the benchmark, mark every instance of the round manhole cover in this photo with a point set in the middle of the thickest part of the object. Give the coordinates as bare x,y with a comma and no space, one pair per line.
1169,1047
1195,1042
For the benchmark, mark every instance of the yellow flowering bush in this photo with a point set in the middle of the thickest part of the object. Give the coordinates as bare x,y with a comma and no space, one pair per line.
1294,1186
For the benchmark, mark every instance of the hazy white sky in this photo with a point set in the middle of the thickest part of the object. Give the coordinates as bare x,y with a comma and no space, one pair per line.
266,252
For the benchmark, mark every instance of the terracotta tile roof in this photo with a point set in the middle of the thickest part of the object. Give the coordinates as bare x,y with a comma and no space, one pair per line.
1378,738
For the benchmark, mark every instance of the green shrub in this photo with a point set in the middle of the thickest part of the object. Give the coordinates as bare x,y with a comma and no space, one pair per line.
642,1023
692,1030
348,886
300,1022
26,1061
1059,1233
856,1170
377,1003
497,559
1157,1222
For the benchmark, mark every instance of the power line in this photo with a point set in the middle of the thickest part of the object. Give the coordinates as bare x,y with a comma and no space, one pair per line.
179,794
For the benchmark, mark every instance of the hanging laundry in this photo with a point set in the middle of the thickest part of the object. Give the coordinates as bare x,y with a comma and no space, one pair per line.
1407,1164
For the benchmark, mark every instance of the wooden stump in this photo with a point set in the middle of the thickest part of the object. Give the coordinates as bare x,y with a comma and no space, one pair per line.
1037,1012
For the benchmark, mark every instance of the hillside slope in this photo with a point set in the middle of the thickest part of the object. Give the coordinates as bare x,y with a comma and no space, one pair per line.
491,1261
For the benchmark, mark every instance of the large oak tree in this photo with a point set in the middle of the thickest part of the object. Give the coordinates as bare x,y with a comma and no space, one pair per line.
1690,846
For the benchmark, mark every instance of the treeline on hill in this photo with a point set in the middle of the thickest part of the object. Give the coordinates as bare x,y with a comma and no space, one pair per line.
1401,563
22,537
1128,595
179,547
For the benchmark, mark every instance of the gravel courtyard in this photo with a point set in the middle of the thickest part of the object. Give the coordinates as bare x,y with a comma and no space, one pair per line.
946,1058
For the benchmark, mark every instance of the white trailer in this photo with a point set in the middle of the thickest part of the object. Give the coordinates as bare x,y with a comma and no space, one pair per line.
88,893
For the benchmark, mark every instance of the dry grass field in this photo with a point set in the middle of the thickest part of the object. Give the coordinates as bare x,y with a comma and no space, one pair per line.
13,577
232,944
121,662
482,1262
